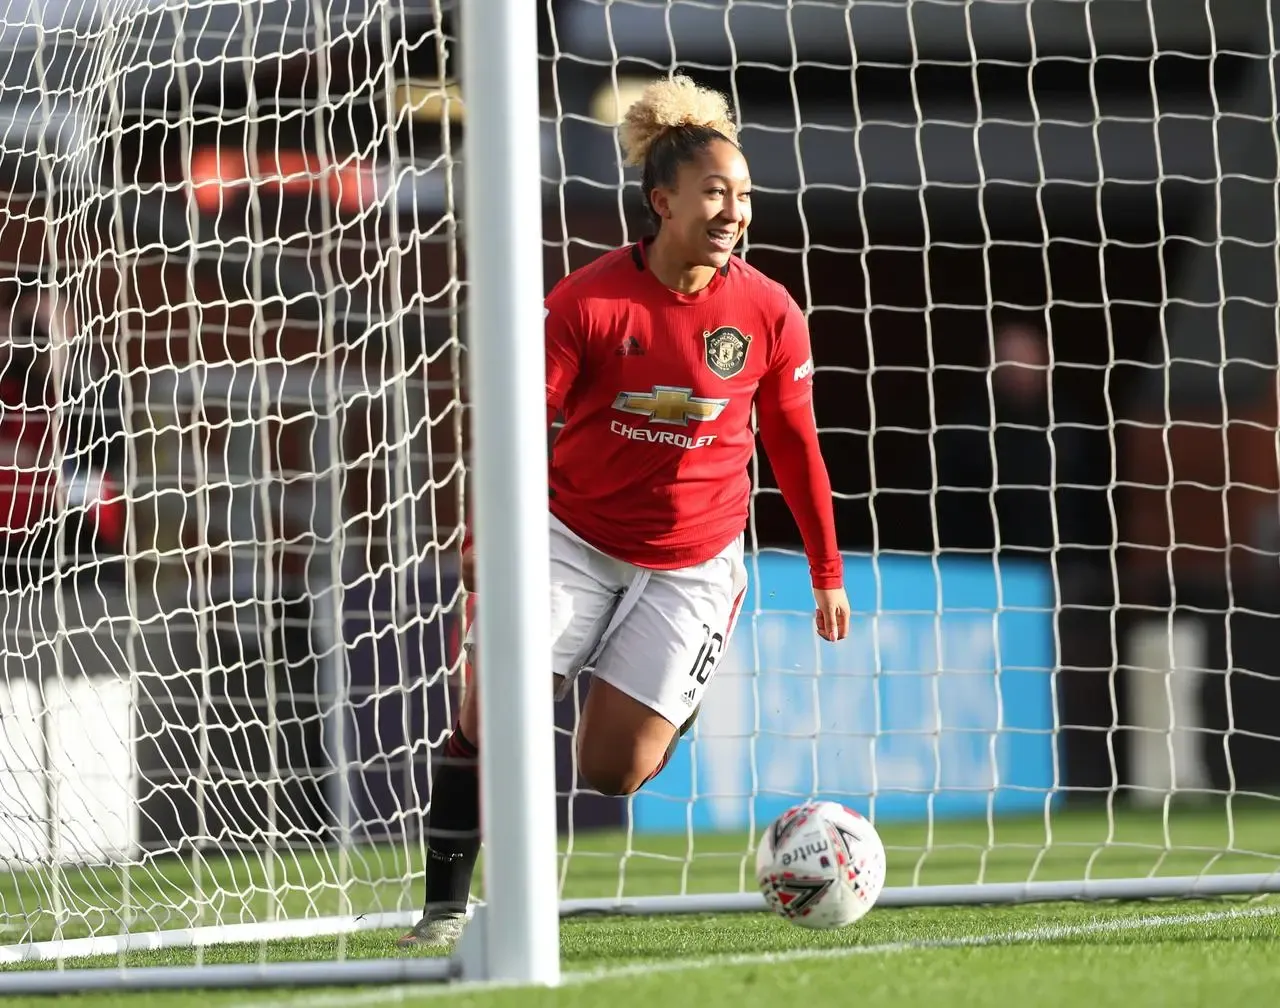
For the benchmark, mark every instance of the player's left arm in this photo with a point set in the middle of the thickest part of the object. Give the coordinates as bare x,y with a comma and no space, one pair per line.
784,411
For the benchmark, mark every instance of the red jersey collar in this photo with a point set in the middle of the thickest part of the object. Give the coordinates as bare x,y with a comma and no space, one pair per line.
640,256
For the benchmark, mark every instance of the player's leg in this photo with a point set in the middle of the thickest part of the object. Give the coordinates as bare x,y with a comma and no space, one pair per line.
654,671
452,825
583,591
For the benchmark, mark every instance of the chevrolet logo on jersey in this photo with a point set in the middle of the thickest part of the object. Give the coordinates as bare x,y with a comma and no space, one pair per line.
667,404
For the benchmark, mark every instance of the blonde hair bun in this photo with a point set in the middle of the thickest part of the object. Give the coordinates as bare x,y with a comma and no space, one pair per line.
670,104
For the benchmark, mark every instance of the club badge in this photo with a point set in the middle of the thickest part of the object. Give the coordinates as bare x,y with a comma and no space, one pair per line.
726,350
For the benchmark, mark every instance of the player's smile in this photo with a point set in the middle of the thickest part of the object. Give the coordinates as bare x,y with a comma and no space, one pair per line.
724,238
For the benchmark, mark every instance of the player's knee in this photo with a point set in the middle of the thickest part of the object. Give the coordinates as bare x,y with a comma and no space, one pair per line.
621,741
615,782
608,769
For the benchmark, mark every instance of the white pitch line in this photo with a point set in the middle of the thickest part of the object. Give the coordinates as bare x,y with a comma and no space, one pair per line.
1050,933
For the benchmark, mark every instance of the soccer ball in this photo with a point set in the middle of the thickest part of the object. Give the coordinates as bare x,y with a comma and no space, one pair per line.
820,865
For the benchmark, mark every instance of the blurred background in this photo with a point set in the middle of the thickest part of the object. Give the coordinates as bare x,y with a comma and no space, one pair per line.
1036,242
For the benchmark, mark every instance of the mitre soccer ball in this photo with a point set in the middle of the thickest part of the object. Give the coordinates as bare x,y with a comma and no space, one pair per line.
820,865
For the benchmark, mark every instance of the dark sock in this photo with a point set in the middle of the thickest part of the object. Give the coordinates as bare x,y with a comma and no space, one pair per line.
453,825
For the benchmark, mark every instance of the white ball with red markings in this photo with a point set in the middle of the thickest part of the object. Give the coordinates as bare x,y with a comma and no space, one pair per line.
820,865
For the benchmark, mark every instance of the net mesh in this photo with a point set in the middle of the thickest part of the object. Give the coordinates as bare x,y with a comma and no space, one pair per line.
1035,245
233,356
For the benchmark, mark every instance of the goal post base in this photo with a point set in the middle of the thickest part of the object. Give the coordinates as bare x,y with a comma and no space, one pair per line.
346,973
471,955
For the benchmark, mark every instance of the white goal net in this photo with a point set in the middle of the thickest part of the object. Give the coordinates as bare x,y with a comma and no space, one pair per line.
1035,242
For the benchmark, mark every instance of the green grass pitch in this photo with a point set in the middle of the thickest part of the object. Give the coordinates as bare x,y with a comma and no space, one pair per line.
1156,953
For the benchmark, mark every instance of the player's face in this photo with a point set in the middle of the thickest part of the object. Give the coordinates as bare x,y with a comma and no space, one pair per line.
710,207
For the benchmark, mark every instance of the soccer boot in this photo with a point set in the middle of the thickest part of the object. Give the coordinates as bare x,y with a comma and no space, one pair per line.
435,930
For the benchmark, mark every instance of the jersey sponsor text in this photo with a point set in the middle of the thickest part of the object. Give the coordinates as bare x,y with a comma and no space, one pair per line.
666,437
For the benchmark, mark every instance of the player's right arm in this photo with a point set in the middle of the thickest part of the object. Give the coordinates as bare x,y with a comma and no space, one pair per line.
564,348
563,363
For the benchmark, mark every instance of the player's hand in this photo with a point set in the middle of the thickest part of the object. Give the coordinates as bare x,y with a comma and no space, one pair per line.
832,615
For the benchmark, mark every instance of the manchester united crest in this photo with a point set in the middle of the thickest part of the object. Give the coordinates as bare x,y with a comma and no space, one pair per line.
726,350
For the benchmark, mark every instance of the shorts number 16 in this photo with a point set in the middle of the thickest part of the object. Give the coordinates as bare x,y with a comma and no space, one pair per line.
705,662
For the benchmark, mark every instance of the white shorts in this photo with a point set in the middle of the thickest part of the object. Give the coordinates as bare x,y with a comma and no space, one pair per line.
656,635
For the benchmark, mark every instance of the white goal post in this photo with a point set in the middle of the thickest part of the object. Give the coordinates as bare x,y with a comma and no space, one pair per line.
269,332
517,934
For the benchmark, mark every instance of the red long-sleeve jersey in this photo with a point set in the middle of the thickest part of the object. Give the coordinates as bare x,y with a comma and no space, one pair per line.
656,389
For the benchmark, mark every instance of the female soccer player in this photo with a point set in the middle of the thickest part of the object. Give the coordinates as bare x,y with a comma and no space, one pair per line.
656,354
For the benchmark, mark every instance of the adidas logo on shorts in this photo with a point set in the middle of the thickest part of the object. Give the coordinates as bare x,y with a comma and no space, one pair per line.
688,697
